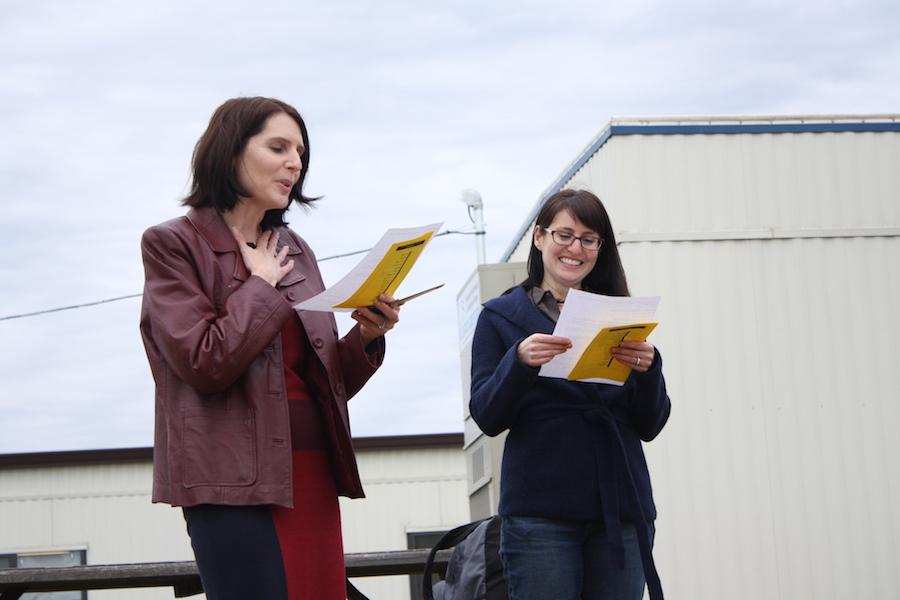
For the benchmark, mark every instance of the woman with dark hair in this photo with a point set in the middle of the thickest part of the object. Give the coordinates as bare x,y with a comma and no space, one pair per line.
575,500
252,434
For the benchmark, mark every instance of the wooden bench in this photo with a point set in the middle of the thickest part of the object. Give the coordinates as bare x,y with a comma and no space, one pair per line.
183,576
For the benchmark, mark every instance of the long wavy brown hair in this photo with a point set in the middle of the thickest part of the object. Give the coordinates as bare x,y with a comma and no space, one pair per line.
607,277
215,181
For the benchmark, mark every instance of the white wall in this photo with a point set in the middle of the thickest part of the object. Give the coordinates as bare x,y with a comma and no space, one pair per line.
106,510
405,492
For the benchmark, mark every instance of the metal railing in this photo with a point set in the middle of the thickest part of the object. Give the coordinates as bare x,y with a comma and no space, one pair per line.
183,576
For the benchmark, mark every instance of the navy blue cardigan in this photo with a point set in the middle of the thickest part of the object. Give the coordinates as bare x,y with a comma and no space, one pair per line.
574,449
561,442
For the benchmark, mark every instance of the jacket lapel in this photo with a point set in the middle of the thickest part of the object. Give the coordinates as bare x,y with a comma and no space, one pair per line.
212,228
517,308
294,251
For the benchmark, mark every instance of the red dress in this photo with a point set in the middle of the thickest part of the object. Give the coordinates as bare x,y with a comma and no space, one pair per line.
309,534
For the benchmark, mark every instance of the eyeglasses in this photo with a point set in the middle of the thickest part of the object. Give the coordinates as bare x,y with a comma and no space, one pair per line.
564,238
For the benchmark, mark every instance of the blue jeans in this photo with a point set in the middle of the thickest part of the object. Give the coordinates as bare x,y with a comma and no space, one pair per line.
549,559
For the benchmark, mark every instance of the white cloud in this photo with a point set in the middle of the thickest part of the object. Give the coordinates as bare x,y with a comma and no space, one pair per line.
407,104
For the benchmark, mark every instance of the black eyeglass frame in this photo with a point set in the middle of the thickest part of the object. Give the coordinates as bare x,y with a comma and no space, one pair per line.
554,232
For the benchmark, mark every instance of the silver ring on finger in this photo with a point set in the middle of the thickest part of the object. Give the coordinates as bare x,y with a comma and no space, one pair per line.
637,361
382,324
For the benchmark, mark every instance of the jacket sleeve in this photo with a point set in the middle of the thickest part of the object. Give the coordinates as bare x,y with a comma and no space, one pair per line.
650,406
499,378
207,349
359,362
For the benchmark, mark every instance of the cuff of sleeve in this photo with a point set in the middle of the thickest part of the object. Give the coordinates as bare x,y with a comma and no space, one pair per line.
374,351
523,369
656,368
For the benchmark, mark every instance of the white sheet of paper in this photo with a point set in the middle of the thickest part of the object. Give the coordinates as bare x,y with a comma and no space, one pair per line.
347,286
584,315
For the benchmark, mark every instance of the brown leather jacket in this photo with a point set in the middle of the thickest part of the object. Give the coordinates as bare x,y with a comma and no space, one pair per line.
212,333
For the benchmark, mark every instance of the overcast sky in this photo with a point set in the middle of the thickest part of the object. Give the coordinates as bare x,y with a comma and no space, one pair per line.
407,104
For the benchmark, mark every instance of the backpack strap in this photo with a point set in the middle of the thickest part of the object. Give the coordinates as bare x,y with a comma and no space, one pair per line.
450,539
353,593
494,578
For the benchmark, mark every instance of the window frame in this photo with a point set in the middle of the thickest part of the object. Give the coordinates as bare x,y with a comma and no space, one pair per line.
15,559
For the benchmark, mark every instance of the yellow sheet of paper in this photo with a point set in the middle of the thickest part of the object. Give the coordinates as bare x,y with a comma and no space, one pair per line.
597,361
389,273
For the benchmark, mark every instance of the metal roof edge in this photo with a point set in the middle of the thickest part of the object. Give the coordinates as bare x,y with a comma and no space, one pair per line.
557,184
707,126
145,454
772,119
754,128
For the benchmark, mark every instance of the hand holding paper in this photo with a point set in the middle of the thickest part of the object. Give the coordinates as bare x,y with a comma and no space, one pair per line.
597,360
381,271
539,348
596,324
375,321
635,354
402,301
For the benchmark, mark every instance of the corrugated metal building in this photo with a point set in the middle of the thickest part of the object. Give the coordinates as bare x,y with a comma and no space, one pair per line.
774,243
98,502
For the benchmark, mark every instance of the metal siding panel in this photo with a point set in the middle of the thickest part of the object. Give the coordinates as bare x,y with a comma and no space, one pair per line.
138,594
747,127
25,525
108,509
777,467
710,462
406,490
105,508
795,438
521,252
746,180
121,529
823,423
679,183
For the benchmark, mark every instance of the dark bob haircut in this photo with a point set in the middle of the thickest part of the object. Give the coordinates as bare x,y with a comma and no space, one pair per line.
607,277
215,181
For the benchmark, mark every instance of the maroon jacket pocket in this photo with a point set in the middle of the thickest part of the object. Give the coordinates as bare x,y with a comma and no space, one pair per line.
220,450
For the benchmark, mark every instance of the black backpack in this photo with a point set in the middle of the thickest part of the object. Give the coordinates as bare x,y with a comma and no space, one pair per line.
474,571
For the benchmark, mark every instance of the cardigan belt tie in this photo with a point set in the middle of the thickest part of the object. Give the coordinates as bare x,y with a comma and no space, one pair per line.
608,473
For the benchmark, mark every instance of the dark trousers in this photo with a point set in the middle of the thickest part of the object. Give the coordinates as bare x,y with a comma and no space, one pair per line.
237,552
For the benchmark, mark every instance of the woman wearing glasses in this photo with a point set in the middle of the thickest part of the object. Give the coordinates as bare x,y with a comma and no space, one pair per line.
575,493
252,434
